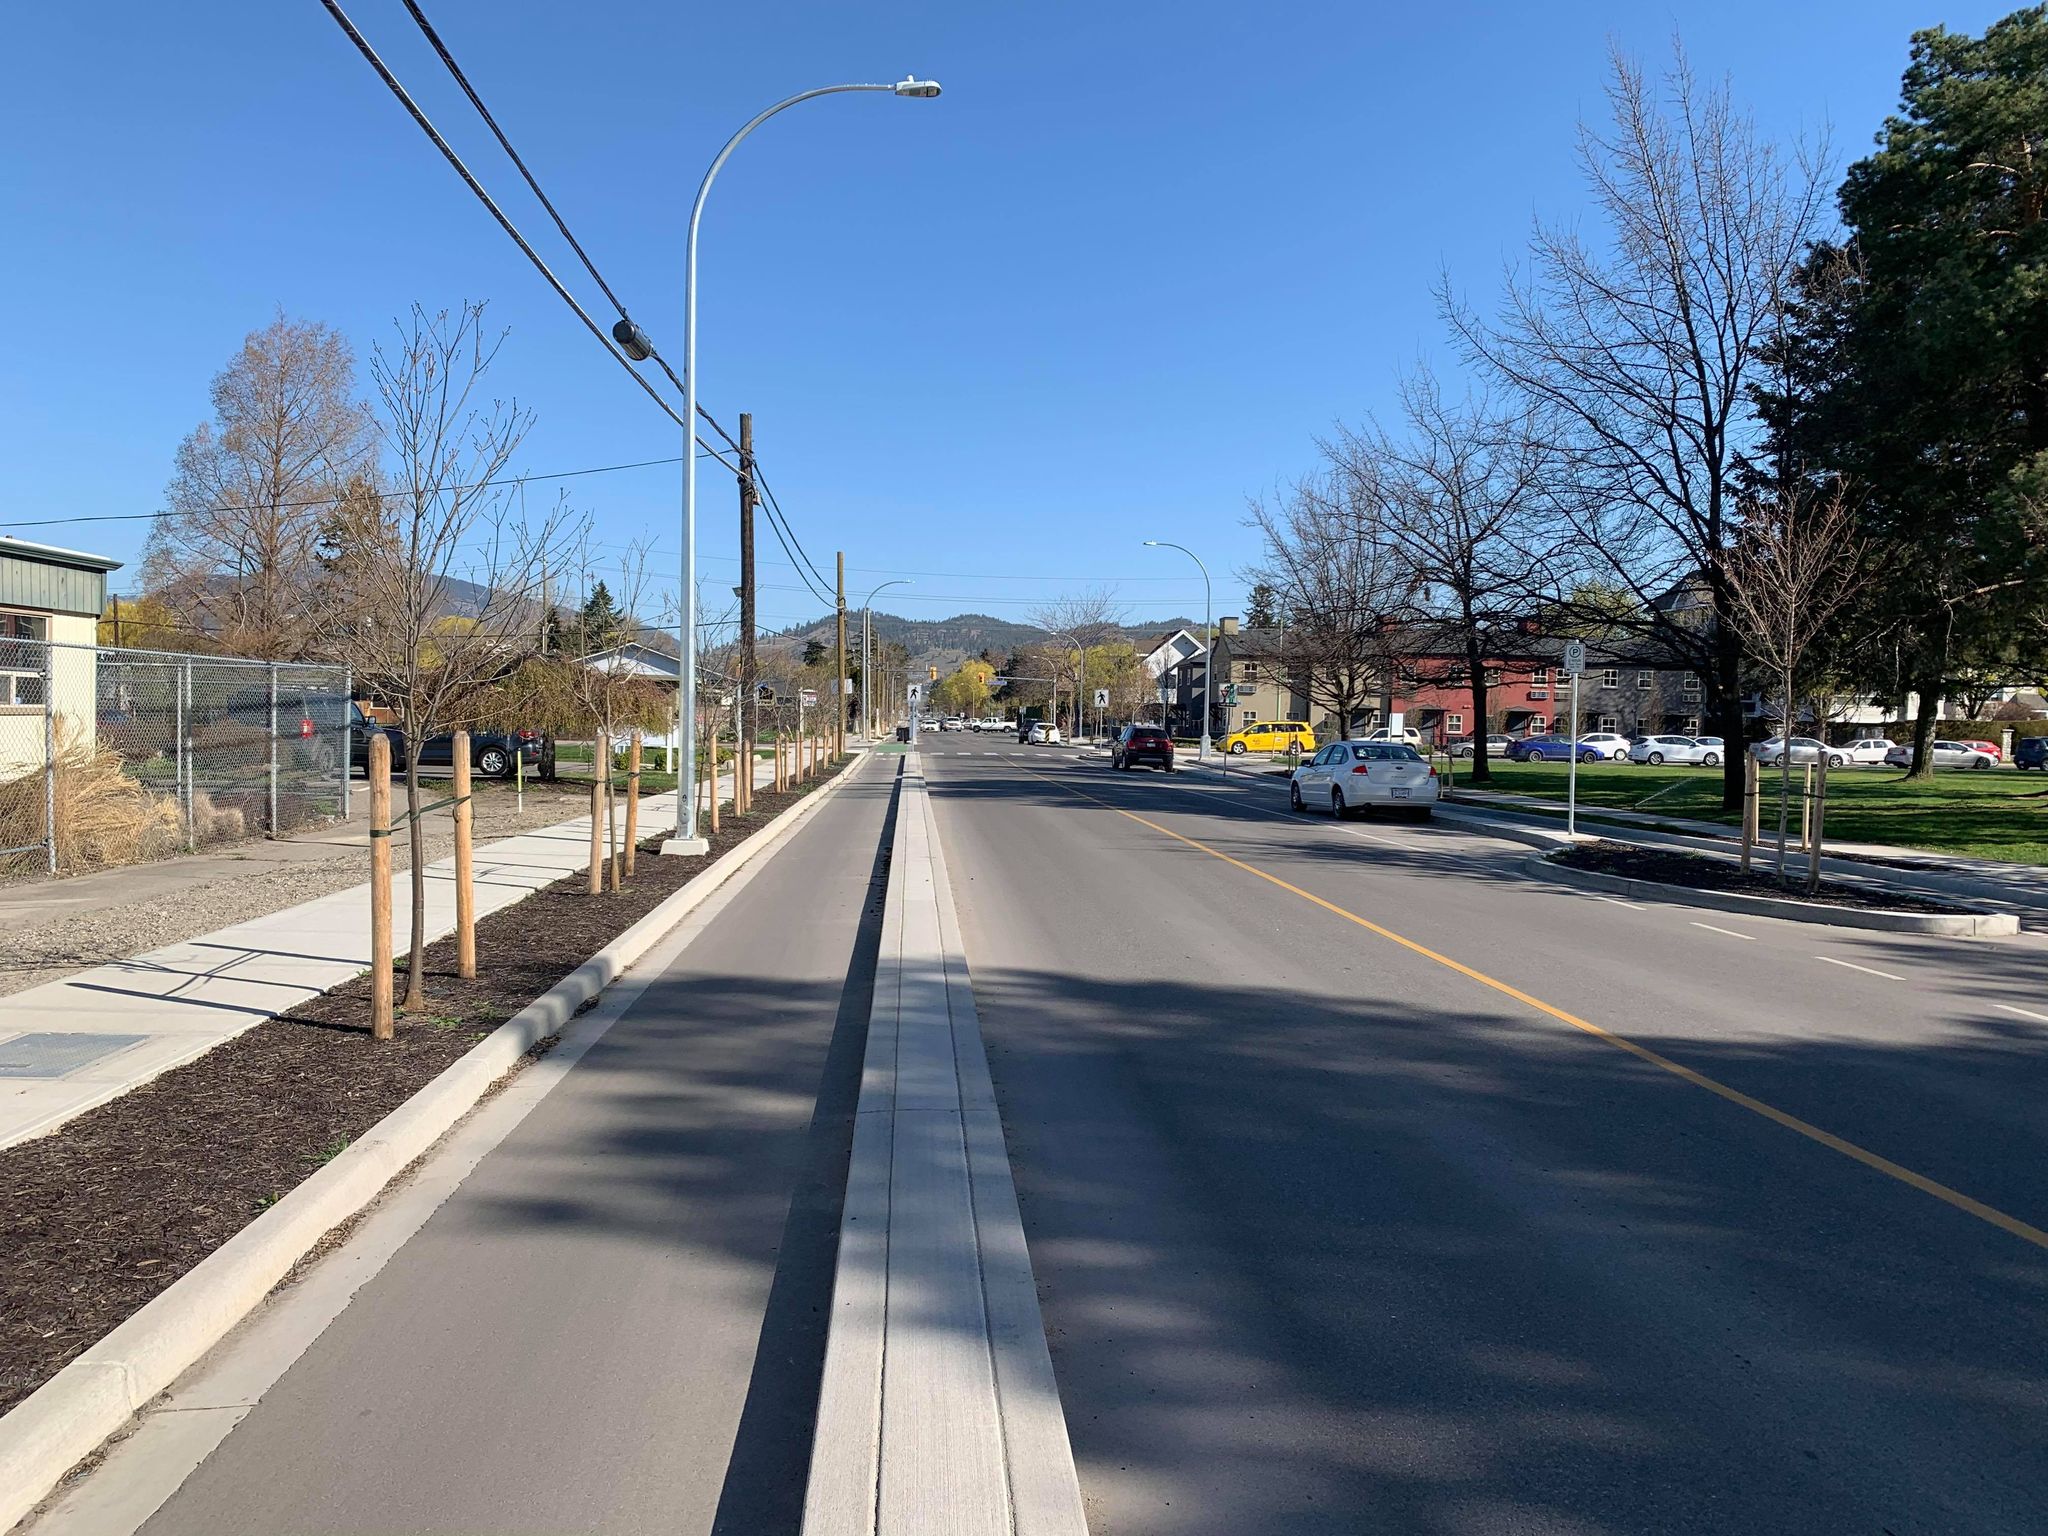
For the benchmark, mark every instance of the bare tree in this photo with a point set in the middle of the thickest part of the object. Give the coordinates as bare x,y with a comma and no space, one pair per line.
1465,483
1641,360
1074,625
611,694
1342,583
435,596
234,550
1797,567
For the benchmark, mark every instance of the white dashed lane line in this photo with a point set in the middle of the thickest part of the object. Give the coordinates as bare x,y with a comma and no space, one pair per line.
1851,965
2025,1013
1616,901
1747,938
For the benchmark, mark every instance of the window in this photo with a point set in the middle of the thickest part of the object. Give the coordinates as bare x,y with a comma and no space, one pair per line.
1454,724
1494,676
24,654
1251,718
1609,723
1538,725
1692,725
1646,680
1692,685
1610,677
1539,677
1249,671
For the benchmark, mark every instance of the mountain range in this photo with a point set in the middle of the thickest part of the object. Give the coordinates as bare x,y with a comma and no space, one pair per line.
945,643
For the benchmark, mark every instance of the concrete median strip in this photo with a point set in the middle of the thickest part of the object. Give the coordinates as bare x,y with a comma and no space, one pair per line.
92,1398
938,1411
1975,925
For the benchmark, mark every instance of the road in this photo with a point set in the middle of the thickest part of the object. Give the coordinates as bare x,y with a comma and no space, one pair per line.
1373,1185
615,1323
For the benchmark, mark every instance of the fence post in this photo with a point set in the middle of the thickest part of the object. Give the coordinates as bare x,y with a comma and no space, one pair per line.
1806,811
596,883
465,881
50,753
348,698
1749,806
273,749
380,886
184,751
632,801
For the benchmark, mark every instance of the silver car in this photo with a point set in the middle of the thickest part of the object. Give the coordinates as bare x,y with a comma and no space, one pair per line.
1946,754
1688,750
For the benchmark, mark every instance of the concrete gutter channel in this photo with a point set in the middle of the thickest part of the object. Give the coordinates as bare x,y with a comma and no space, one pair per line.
938,1411
72,1415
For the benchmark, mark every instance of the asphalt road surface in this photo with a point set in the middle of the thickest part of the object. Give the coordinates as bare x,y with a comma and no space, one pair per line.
1373,1185
616,1323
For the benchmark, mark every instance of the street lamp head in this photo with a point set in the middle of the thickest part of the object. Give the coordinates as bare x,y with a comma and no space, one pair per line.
910,85
632,341
1151,543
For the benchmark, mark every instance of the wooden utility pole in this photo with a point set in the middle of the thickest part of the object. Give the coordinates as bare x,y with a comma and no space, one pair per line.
743,772
839,682
632,801
465,864
380,886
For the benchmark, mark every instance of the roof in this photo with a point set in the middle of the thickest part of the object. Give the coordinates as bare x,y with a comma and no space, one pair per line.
638,659
51,554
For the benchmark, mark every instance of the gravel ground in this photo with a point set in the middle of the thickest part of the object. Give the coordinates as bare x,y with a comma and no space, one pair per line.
65,943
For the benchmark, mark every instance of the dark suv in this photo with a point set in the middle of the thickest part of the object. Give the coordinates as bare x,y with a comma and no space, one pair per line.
2030,752
1142,744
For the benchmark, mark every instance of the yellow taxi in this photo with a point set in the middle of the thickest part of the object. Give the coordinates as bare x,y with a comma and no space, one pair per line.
1271,736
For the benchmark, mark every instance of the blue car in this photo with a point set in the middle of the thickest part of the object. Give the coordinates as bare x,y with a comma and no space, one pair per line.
1539,749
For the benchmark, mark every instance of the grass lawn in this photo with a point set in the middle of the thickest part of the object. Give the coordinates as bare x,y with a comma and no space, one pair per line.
2002,814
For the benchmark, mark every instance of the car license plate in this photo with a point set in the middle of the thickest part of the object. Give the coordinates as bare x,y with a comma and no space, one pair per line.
1400,794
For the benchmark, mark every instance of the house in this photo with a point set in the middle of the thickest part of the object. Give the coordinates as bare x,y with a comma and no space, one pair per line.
50,604
1162,656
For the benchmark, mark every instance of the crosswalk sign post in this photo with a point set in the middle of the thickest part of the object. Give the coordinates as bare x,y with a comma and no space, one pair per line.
1574,664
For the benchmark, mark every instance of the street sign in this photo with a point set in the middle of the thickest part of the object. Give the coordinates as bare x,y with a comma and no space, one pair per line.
765,693
1102,698
810,698
1574,657
916,693
999,682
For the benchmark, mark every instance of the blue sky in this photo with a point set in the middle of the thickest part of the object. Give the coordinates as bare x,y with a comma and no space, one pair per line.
1111,285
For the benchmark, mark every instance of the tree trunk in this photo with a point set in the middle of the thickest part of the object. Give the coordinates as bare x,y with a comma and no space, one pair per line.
1728,680
1922,766
1480,773
1820,818
416,949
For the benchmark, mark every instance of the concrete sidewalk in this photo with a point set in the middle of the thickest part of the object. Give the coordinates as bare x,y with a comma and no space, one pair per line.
69,1045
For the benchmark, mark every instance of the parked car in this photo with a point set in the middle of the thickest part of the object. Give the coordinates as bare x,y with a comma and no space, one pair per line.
1989,748
1496,746
494,754
1352,777
1408,734
950,723
1946,754
1867,749
1137,744
1542,749
1608,744
1688,750
1804,749
1271,736
1043,734
2030,752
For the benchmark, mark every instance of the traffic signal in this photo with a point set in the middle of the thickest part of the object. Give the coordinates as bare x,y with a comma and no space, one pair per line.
935,673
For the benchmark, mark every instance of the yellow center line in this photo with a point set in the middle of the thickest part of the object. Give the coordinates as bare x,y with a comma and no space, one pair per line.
1884,1165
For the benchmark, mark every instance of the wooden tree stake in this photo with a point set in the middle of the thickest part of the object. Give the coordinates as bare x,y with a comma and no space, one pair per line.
380,886
465,866
596,883
632,801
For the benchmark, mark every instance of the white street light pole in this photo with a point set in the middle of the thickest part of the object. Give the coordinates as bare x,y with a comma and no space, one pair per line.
1080,669
1208,639
686,839
867,677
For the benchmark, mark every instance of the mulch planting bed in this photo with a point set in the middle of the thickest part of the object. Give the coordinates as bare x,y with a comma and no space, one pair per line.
103,1213
1707,874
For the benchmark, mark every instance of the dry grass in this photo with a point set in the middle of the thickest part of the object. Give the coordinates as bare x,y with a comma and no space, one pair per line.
104,817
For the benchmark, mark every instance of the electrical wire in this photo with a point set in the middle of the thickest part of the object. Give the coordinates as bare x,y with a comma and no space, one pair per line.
776,513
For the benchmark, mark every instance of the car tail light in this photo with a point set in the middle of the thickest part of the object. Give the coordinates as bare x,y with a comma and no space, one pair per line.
528,735
1432,770
1362,768
305,730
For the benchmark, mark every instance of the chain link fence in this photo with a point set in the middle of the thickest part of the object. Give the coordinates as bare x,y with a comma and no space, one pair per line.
113,756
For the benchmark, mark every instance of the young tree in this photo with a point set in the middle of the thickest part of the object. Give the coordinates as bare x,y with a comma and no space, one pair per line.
1465,482
1796,569
233,552
1639,360
1333,558
435,598
1074,625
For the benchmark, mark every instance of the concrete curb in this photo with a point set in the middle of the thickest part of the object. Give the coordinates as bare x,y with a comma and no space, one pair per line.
72,1414
938,1411
1968,925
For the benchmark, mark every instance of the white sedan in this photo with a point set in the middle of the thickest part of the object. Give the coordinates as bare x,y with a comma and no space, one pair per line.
1043,735
1352,777
1868,749
1947,754
1676,749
